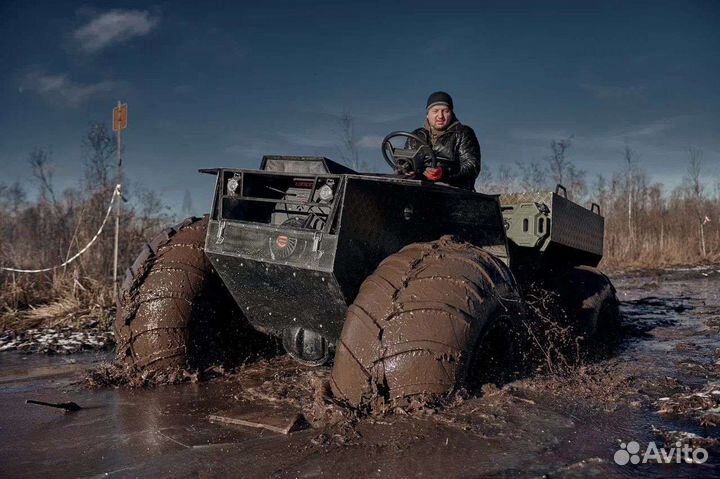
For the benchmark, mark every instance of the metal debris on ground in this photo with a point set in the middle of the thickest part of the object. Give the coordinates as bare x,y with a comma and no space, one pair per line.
66,406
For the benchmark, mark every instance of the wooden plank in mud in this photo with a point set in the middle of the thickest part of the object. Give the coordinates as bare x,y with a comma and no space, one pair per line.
282,422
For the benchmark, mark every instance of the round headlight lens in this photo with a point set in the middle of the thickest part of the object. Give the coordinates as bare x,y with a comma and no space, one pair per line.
325,193
232,186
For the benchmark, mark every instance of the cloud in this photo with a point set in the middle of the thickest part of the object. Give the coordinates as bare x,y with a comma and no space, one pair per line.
114,27
651,130
654,128
610,92
60,87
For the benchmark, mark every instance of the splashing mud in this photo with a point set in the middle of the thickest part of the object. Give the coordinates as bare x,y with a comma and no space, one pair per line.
660,386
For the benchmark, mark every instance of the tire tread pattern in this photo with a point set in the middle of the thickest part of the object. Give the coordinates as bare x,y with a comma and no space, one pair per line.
416,322
166,290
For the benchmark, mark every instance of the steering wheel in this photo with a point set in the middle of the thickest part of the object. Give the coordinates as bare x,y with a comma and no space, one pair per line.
407,161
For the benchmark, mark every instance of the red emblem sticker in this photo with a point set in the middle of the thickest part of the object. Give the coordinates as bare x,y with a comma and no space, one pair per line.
281,241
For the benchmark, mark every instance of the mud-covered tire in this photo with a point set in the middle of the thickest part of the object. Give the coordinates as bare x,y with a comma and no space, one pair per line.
417,322
173,311
591,305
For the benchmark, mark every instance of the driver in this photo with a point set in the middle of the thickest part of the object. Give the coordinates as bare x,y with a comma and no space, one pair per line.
454,144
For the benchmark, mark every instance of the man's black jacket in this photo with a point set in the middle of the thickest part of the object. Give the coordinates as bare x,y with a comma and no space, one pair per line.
459,146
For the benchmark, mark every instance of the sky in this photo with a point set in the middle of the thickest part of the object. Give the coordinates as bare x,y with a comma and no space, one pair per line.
221,83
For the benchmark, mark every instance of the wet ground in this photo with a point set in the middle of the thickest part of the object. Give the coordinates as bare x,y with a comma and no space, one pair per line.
662,386
67,340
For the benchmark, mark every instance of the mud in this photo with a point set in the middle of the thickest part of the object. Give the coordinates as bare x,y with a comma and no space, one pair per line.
659,386
175,313
416,320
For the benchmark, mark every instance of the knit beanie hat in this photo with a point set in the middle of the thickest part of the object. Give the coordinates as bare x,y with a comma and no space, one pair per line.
439,98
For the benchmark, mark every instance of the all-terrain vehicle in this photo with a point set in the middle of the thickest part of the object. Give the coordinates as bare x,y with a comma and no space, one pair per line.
405,285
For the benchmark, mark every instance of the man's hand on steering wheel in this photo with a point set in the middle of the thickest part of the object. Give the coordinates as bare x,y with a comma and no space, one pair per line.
412,162
434,174
409,162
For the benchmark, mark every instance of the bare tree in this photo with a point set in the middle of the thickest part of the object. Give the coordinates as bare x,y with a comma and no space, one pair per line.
349,151
187,205
506,178
503,181
601,189
532,176
12,198
563,171
558,164
101,148
694,172
150,213
658,209
484,180
631,168
577,186
42,169
696,190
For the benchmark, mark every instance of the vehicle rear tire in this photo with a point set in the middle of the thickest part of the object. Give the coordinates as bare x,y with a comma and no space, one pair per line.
591,305
173,310
418,321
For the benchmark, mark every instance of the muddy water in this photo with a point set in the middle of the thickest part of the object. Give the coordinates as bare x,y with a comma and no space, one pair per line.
657,387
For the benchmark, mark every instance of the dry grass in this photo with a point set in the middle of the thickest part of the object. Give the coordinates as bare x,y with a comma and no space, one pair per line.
615,264
62,303
646,226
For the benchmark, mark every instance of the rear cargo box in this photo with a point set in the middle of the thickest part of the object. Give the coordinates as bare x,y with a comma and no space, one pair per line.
546,219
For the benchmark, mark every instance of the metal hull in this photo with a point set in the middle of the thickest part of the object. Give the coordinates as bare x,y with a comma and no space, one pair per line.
310,284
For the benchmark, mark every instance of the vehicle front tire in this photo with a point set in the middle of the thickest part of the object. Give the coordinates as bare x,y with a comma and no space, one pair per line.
418,321
173,310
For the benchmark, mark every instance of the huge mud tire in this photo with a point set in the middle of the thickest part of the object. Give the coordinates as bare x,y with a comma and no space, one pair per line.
418,321
173,310
591,305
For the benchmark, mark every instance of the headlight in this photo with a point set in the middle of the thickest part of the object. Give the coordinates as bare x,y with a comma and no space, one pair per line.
232,186
325,193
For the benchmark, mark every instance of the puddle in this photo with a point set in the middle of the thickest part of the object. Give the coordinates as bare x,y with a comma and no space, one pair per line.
568,426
